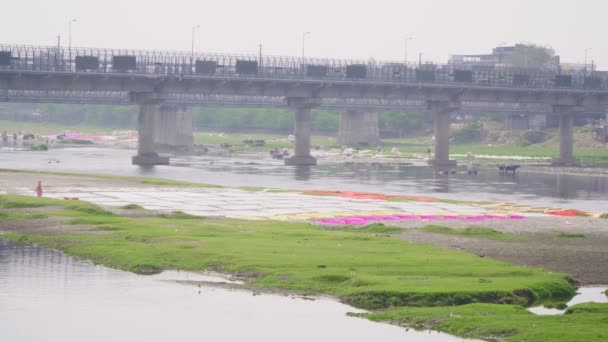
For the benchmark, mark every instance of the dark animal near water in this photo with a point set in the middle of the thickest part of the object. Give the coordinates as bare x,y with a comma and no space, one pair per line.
508,168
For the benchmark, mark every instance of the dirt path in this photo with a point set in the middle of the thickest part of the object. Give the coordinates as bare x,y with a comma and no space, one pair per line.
585,259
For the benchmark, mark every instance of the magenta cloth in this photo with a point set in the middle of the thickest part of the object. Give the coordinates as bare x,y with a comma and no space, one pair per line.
361,220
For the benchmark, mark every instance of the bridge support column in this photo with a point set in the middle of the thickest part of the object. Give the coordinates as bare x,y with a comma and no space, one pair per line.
173,127
358,127
441,111
566,137
149,104
302,130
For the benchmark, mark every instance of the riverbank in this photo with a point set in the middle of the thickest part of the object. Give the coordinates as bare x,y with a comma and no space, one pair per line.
366,267
391,151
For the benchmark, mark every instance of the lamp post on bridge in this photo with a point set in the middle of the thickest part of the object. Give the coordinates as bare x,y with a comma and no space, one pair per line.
70,41
192,48
304,44
260,62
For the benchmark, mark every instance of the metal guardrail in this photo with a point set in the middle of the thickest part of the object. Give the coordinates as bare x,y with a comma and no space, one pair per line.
122,98
48,59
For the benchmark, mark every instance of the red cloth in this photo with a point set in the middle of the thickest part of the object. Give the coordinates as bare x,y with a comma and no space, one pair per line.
567,212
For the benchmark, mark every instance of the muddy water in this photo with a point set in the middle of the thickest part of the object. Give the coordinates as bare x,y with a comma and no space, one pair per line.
592,294
48,296
579,192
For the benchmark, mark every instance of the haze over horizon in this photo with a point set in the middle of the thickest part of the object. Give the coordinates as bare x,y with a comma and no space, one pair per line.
339,29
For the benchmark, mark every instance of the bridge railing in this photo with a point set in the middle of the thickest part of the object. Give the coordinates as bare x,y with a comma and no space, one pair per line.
210,65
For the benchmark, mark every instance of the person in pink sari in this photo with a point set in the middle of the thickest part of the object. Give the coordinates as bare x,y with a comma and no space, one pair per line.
39,189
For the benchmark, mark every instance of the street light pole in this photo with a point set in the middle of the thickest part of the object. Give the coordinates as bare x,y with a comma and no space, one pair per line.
70,41
192,47
406,40
260,62
193,30
304,43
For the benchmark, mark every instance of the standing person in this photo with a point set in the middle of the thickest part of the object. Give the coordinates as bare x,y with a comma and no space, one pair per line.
39,189
15,139
429,152
4,137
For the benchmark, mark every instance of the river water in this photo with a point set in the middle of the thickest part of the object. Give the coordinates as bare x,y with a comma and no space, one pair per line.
570,191
48,296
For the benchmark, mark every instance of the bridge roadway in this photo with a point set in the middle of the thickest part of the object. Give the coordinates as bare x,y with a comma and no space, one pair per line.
150,77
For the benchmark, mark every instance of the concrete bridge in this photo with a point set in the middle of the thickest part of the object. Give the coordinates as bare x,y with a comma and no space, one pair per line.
358,124
151,77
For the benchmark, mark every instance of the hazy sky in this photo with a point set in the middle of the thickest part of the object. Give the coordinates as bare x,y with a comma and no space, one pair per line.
344,29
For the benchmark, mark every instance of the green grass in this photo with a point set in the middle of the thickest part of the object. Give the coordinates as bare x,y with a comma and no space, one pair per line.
272,141
375,271
49,128
474,232
582,323
22,202
378,228
569,236
604,216
549,149
132,207
180,215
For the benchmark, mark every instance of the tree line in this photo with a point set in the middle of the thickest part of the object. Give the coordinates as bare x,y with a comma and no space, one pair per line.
223,118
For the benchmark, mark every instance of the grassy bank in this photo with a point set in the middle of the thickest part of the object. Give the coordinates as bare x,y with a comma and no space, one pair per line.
581,323
46,128
474,232
364,268
419,145
446,290
272,141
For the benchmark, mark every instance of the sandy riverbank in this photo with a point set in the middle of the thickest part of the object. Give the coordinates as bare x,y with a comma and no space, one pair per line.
583,258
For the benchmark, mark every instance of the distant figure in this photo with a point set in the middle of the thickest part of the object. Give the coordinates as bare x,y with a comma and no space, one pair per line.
4,137
14,138
428,151
39,189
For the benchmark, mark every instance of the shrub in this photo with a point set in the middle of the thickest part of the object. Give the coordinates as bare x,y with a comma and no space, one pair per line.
534,137
471,132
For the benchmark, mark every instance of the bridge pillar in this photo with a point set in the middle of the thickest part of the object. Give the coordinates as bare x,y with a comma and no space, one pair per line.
358,127
302,130
149,104
566,137
173,126
441,111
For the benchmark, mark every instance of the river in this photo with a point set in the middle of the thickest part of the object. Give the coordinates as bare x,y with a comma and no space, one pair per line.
46,295
570,191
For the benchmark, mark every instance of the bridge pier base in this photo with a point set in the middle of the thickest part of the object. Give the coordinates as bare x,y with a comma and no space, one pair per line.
302,130
358,127
148,110
566,137
441,111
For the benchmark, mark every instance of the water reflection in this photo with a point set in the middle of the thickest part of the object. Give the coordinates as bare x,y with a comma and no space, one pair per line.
302,172
593,294
579,192
48,296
